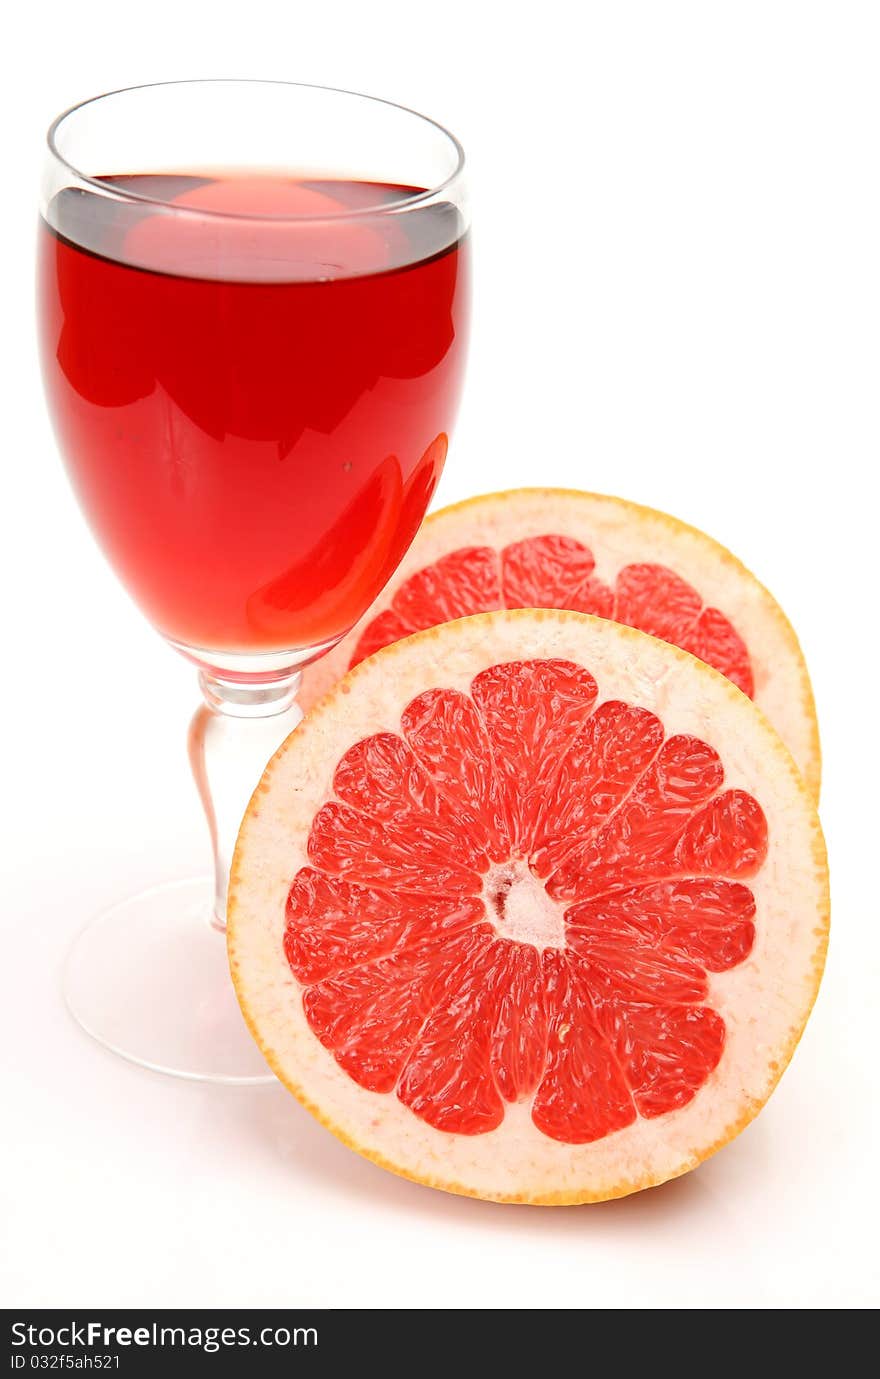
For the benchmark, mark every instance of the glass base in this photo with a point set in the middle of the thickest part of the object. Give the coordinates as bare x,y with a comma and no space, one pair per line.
149,979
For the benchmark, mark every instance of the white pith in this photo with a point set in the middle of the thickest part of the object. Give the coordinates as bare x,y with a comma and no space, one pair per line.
620,533
528,915
764,1001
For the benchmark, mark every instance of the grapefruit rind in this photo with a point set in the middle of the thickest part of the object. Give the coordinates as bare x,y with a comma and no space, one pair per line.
764,1002
619,532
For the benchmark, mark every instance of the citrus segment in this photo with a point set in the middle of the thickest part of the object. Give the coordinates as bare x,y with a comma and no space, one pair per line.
445,730
548,572
519,1037
531,711
656,600
715,640
583,1095
447,1080
463,582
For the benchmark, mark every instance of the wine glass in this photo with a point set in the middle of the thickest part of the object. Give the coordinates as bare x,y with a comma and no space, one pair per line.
253,302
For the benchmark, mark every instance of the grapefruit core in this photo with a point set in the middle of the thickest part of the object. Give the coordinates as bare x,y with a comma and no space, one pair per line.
531,907
559,548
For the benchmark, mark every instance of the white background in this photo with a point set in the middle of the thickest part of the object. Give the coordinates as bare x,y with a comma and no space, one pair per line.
677,242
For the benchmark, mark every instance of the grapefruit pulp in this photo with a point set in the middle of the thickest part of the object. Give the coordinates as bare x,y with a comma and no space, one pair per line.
558,548
533,907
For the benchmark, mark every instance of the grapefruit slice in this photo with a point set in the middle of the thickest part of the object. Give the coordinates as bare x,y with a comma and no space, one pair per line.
558,548
531,907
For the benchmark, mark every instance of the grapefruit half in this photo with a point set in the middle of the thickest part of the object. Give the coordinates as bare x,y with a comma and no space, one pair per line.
559,548
531,907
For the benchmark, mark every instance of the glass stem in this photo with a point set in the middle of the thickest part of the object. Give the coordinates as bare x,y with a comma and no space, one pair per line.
231,738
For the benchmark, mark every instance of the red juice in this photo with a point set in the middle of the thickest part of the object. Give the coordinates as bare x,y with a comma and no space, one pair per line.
252,392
